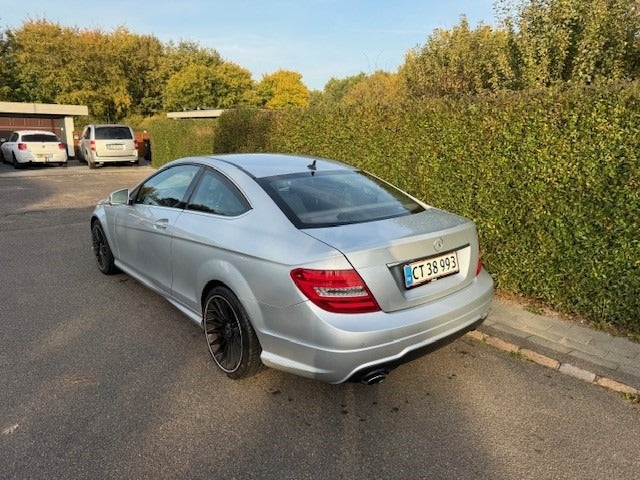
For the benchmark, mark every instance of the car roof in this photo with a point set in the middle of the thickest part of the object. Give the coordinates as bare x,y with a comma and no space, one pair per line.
260,165
101,125
31,132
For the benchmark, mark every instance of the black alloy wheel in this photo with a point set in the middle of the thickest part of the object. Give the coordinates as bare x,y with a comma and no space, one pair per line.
101,249
230,337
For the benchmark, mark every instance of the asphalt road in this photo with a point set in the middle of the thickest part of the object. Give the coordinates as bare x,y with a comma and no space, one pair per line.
100,378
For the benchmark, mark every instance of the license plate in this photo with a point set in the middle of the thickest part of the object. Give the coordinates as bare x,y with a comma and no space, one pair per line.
428,269
46,158
115,146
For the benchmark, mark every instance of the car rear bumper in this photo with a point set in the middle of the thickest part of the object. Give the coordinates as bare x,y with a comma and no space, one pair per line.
336,348
43,158
123,159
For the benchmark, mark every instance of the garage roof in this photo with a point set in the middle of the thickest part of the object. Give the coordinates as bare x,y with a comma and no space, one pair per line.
42,109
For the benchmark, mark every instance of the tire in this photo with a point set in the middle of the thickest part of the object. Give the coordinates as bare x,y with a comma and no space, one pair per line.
92,165
231,340
101,250
86,158
16,164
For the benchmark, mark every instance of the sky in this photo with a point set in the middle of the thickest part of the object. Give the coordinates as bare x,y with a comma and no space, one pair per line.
320,39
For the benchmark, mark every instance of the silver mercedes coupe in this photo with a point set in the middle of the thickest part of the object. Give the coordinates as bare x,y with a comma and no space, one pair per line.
302,264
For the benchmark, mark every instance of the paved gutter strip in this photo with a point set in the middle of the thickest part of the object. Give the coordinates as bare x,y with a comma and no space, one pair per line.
545,361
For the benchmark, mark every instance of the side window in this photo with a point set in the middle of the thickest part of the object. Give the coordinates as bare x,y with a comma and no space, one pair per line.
168,188
13,137
215,194
87,133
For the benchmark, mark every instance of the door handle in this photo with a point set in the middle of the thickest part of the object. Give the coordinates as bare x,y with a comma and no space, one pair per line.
161,224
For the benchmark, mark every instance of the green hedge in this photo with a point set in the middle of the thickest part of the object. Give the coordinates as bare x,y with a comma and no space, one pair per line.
171,139
550,177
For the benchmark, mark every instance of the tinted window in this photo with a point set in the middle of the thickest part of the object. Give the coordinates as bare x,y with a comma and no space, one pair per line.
13,137
113,133
336,198
215,194
168,188
40,137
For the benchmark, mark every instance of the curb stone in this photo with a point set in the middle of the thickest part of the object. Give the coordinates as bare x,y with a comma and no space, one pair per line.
548,362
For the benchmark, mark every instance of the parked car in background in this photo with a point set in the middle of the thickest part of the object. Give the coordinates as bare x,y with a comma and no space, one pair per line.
302,264
142,138
100,144
26,147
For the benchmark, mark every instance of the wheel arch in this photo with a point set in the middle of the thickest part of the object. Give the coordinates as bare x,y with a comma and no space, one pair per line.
221,273
211,284
95,218
99,215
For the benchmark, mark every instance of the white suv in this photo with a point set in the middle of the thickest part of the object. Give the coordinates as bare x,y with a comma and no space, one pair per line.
101,144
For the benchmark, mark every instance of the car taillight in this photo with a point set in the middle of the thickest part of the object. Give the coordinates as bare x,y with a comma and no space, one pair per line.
92,145
61,146
338,291
22,146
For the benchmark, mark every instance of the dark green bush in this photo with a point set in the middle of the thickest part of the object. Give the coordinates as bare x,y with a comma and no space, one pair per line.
242,131
171,139
550,177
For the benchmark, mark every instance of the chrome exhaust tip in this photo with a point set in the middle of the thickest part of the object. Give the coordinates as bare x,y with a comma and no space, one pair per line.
374,377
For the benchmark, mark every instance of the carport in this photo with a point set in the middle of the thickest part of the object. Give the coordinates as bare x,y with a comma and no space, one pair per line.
41,116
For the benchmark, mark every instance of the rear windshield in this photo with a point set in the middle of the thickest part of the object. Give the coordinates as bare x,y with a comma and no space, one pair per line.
113,133
321,199
40,137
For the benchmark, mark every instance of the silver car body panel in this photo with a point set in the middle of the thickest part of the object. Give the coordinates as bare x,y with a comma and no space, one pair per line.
179,253
339,348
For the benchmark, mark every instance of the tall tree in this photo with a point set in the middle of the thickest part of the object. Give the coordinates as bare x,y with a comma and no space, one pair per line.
191,88
119,73
41,55
234,86
185,53
8,60
283,89
198,86
139,58
336,89
39,52
98,80
458,62
578,41
381,89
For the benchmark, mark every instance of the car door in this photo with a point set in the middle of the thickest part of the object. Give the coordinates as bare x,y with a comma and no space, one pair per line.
84,142
207,231
9,146
144,230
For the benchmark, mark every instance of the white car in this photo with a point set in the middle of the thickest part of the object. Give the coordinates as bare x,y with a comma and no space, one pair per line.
33,146
100,144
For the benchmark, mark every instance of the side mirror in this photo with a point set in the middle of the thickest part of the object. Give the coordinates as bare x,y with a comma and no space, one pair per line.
119,197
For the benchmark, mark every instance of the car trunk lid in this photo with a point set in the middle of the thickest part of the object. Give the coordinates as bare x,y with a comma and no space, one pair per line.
115,148
410,260
47,148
